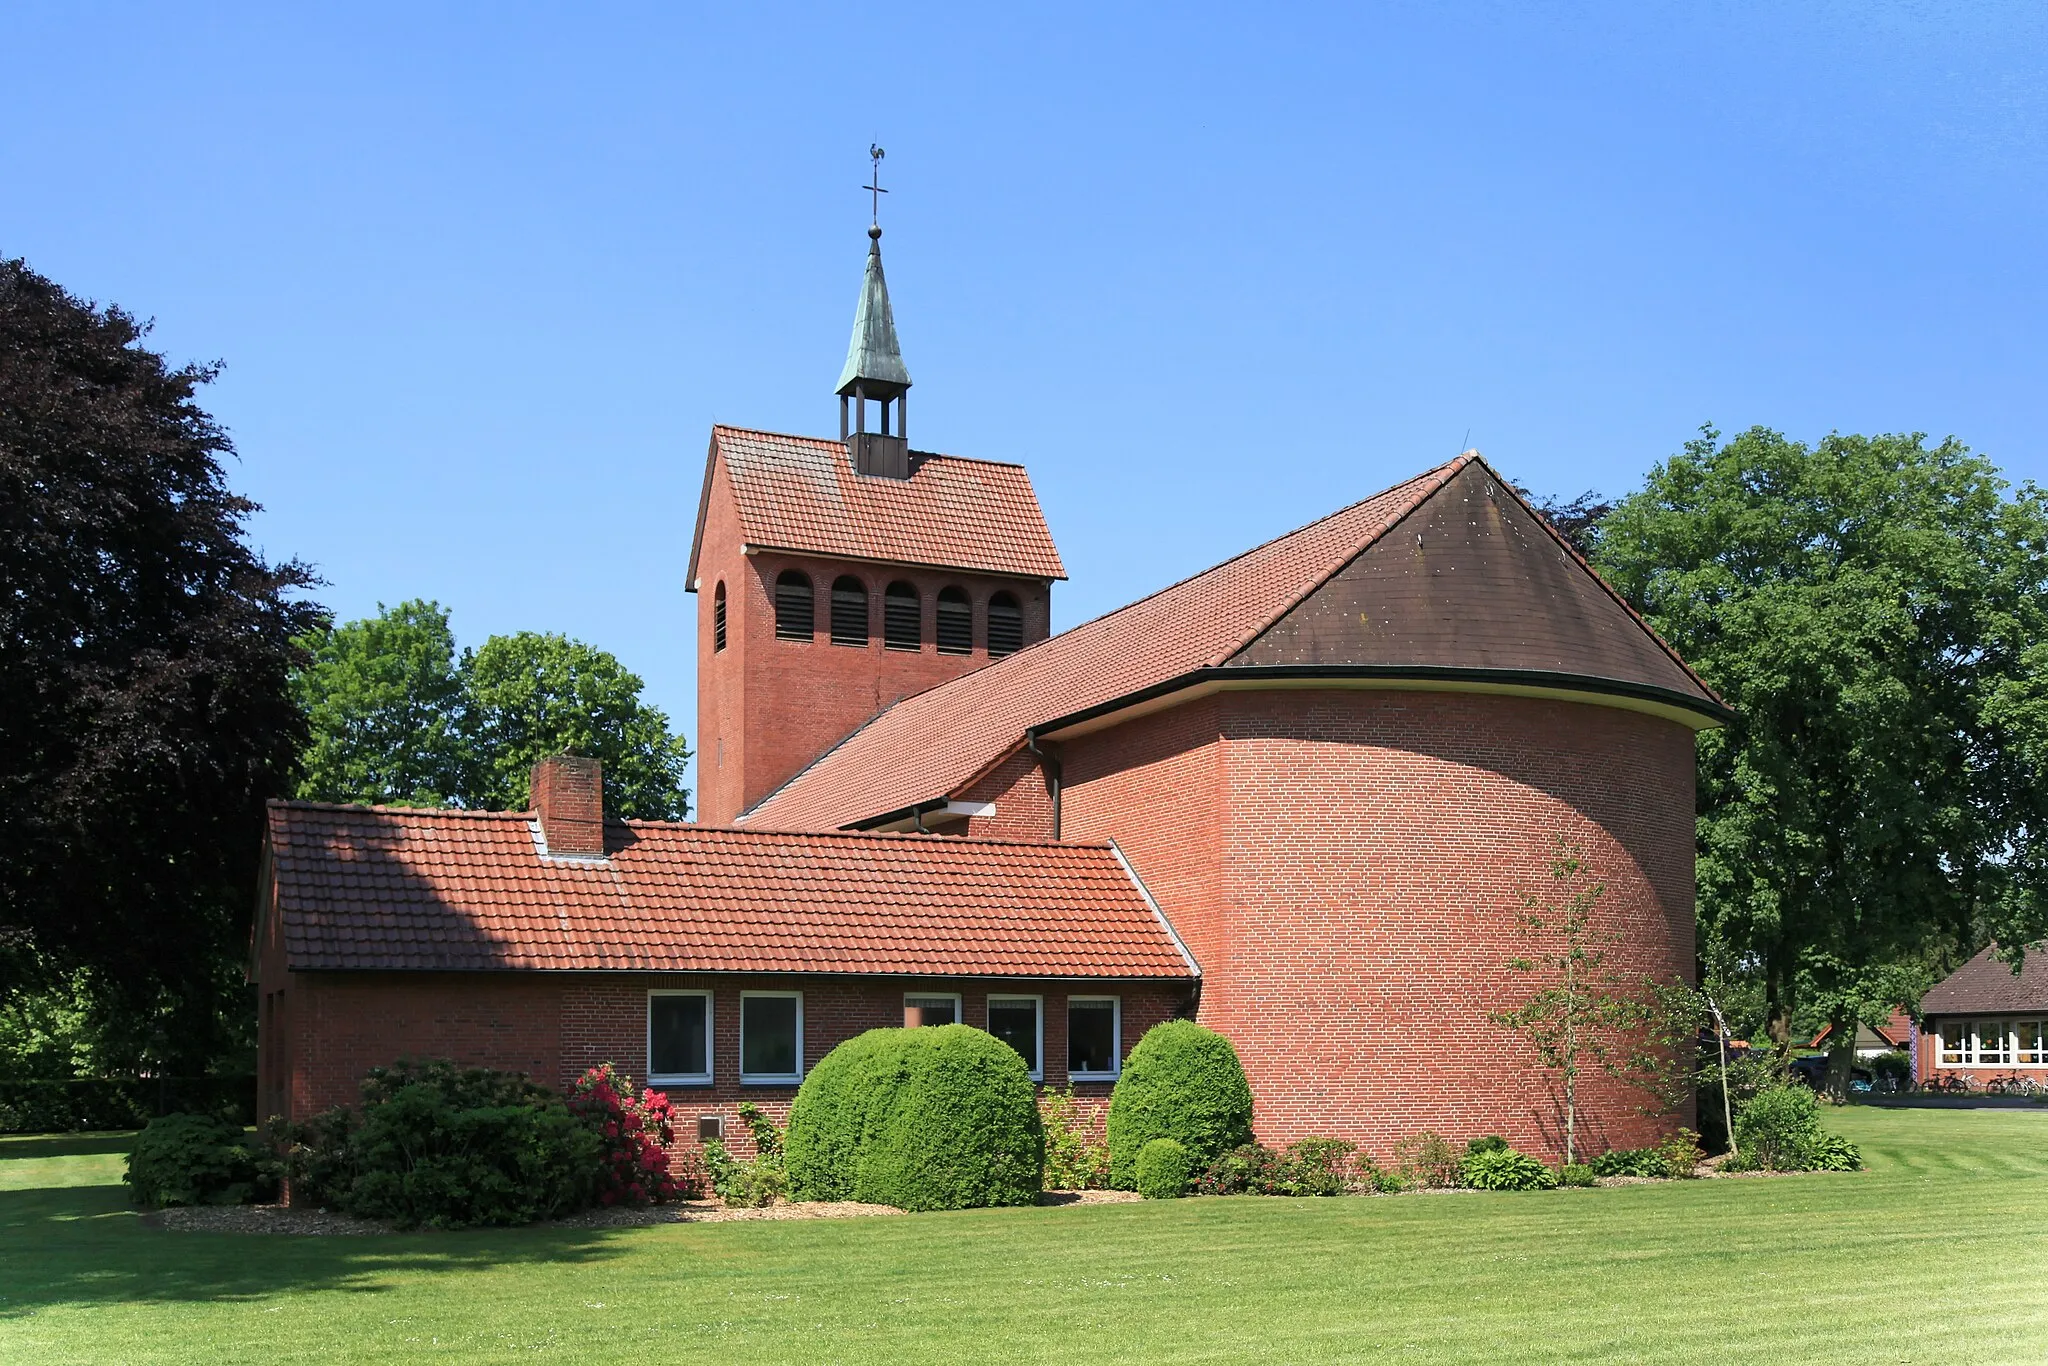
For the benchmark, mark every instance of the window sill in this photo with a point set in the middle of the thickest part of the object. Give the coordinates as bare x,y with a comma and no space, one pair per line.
1093,1076
680,1081
771,1081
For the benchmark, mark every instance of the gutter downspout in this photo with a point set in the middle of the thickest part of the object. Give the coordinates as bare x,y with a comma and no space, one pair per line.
1054,772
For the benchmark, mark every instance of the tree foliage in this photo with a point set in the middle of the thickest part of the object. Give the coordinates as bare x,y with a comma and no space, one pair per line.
398,718
1874,610
383,702
145,649
528,696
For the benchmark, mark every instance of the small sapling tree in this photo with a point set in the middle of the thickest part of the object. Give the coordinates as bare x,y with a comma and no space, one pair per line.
1584,1014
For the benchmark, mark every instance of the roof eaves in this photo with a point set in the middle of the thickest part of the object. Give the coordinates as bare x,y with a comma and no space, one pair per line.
703,512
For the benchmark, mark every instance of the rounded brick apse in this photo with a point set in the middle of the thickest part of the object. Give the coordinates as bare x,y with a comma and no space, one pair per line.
1348,867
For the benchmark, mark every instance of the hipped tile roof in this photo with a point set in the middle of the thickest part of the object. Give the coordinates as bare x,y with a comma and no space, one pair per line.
1985,985
800,493
933,744
382,888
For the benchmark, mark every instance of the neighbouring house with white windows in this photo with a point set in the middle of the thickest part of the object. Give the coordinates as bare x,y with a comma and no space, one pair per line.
1986,1023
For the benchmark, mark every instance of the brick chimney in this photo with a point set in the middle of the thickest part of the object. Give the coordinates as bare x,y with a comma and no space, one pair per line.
568,796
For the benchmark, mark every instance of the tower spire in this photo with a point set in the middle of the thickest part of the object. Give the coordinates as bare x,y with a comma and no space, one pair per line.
874,359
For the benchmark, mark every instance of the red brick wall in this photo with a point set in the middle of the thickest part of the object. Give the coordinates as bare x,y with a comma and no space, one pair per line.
766,707
554,1025
1022,800
1347,868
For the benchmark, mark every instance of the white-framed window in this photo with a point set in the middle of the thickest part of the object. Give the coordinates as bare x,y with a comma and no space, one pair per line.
1993,1043
678,1038
2033,1043
771,1038
930,1008
1019,1021
1955,1043
1095,1038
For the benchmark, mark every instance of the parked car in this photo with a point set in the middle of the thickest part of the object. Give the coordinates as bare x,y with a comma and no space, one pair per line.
1813,1071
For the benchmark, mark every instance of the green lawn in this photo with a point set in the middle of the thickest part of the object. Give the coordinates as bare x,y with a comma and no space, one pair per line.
1939,1253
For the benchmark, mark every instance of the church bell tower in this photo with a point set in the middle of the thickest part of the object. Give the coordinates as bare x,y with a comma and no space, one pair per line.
874,370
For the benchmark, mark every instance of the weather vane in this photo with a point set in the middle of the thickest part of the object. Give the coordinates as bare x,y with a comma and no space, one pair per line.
874,186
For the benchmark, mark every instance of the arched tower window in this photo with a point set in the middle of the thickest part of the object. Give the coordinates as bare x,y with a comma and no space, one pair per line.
956,622
902,617
1005,625
794,619
718,617
849,611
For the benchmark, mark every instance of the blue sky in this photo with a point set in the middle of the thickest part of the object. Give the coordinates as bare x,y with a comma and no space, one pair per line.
484,276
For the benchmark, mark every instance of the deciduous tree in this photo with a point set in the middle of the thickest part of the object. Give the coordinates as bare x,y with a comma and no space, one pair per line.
145,649
1873,608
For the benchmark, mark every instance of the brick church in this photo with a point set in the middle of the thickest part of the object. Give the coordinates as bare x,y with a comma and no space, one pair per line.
1298,796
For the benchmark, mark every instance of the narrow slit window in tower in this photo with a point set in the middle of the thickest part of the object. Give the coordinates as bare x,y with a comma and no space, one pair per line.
956,622
1005,626
718,617
849,611
902,628
793,617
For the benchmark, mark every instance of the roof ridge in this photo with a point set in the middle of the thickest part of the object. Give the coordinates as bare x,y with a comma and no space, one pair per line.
468,813
930,838
1080,626
1441,476
832,441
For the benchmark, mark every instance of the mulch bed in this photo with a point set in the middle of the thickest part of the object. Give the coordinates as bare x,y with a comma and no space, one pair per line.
316,1223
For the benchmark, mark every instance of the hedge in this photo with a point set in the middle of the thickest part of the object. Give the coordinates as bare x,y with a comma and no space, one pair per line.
1182,1082
77,1104
930,1118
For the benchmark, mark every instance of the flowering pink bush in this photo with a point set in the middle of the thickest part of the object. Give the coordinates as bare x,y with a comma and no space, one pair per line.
634,1132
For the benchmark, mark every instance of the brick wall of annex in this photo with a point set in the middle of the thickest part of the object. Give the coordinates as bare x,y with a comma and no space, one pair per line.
554,1025
766,706
1353,900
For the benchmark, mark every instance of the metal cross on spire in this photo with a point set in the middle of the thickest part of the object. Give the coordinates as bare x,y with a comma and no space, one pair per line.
874,186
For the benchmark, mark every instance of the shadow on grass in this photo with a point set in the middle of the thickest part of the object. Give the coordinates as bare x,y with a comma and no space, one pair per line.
15,1146
87,1245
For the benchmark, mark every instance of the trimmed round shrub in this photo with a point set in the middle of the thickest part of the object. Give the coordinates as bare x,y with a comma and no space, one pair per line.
1163,1170
194,1160
960,1128
822,1148
1576,1174
1182,1082
1504,1169
939,1117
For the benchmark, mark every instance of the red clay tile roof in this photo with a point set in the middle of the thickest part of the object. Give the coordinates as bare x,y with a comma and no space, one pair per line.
800,493
383,888
933,744
1986,985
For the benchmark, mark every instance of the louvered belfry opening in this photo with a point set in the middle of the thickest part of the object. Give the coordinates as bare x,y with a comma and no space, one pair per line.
1005,625
794,619
849,611
902,627
718,617
955,622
